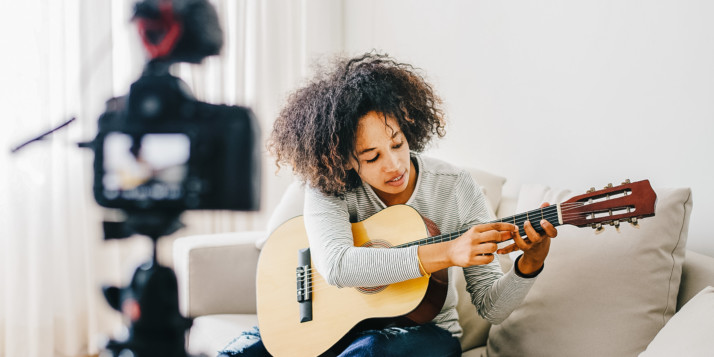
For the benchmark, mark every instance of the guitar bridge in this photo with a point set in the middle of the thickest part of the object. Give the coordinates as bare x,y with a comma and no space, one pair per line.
303,276
304,280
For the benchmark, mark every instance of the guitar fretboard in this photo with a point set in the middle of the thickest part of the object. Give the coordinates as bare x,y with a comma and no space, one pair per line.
549,213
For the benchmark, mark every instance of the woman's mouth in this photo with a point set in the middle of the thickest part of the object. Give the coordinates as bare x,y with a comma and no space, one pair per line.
397,181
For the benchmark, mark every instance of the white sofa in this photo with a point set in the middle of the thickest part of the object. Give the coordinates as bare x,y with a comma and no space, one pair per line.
607,294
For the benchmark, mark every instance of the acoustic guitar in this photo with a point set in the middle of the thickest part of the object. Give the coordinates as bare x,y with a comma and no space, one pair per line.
299,314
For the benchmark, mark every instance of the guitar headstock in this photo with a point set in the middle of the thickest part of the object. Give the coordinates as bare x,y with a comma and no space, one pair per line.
612,205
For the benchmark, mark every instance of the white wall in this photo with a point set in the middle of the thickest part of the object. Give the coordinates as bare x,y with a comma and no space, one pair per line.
568,93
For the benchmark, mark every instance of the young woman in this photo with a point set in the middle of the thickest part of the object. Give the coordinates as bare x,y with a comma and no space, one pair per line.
354,135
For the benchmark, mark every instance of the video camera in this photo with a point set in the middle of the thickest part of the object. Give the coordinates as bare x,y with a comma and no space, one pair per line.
158,148
159,152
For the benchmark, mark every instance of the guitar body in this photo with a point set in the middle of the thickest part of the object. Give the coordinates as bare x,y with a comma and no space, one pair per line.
336,311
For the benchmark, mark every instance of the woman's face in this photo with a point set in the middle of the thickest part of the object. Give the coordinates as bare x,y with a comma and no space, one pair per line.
383,158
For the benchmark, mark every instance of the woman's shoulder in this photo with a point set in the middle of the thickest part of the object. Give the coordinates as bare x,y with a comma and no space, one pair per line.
431,166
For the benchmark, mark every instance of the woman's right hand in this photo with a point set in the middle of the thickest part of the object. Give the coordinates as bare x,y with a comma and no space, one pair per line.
475,247
479,244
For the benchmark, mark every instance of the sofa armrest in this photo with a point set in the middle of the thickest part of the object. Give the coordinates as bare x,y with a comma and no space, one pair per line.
216,273
697,273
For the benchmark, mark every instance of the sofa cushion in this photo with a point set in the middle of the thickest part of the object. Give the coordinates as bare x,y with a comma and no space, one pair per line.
491,185
689,330
697,273
605,294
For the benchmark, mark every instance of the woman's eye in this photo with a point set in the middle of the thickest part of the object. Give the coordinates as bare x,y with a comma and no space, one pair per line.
398,145
373,159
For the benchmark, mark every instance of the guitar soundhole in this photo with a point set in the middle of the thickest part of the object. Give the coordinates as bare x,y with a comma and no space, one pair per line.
374,244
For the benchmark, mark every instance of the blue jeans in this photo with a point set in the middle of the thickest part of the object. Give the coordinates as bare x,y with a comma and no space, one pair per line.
424,340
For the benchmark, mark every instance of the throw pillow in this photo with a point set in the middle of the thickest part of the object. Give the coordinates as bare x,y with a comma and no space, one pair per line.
491,185
689,331
605,294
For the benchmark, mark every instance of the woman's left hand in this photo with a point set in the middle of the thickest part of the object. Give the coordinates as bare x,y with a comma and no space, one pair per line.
535,246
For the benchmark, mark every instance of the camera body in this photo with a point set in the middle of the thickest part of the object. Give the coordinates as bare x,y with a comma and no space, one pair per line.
160,149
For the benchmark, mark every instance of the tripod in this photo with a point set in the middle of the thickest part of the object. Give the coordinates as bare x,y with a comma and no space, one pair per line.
150,301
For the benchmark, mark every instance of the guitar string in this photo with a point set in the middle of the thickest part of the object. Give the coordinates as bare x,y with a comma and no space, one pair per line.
310,272
441,238
550,216
315,281
547,216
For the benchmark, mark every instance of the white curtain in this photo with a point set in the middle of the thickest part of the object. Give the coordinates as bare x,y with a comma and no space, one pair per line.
65,58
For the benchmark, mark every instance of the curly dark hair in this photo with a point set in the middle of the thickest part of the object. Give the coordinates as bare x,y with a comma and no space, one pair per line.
315,132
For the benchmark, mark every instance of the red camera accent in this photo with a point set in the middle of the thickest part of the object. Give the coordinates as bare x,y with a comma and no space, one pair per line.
167,24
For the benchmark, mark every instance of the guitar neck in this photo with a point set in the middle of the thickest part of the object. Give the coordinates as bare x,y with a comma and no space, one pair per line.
551,213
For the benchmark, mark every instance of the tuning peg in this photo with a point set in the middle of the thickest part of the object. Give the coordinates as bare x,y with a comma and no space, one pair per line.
609,185
626,182
634,222
598,228
592,189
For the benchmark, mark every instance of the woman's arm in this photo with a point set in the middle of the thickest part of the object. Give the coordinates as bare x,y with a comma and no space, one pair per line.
337,259
494,294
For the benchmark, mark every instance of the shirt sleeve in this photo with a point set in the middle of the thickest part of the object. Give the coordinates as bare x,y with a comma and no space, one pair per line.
494,294
337,259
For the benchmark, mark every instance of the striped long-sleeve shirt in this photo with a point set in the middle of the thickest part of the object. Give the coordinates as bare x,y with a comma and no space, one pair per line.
444,194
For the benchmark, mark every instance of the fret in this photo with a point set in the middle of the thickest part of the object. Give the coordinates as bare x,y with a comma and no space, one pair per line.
549,213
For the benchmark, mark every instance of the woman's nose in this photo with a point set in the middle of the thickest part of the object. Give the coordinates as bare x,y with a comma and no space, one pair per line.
391,162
